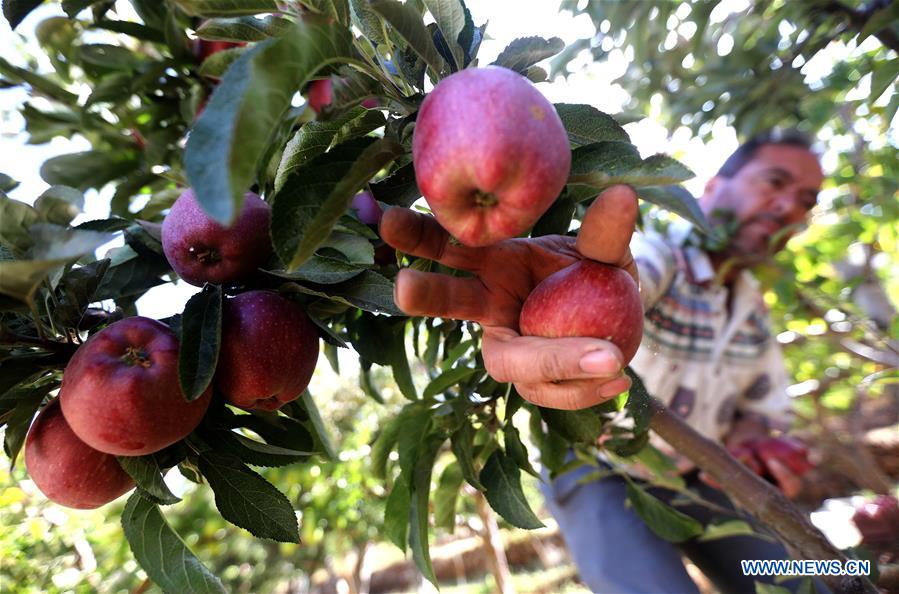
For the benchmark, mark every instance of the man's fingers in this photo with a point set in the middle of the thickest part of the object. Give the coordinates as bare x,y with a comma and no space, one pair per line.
575,394
439,296
606,231
509,357
787,480
421,235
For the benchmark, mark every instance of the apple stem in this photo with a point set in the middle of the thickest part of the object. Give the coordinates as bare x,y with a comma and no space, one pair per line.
485,198
136,356
208,256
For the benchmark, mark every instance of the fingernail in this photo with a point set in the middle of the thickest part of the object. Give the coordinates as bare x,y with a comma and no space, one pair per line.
599,362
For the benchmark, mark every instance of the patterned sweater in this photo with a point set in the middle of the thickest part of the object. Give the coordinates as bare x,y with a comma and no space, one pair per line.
705,360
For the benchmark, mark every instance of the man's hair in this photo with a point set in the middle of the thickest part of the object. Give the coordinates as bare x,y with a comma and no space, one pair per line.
746,151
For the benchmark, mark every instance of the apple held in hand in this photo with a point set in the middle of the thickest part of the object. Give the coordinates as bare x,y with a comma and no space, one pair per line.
789,452
878,520
67,470
745,455
491,154
586,299
200,250
120,392
268,353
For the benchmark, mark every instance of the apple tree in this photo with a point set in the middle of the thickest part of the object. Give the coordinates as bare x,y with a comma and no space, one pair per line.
305,103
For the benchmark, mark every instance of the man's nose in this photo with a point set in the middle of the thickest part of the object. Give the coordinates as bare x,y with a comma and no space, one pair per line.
788,206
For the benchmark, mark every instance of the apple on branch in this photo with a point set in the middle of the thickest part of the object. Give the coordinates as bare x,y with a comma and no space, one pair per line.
268,353
490,153
67,470
200,250
120,392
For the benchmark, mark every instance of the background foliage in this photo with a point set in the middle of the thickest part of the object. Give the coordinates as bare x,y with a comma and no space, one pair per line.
394,451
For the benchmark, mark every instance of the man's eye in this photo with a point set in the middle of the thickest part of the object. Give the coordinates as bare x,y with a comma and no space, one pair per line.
776,182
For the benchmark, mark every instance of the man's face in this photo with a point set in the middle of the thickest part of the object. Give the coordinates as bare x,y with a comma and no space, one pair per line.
766,200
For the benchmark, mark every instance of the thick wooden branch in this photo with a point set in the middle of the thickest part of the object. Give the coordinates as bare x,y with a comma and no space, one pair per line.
759,498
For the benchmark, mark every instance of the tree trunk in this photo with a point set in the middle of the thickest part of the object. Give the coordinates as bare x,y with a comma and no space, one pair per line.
493,547
759,498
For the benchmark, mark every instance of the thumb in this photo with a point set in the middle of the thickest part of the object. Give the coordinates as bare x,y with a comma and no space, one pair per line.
605,233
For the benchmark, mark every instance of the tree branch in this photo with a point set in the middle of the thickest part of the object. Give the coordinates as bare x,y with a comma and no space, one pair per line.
761,499
858,19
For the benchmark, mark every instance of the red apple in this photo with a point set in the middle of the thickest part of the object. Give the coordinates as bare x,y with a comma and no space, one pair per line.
878,520
203,48
371,103
202,251
786,450
367,208
586,299
490,153
268,353
320,94
67,470
746,456
120,392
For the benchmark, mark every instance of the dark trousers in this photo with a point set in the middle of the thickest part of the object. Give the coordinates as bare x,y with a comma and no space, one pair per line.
616,552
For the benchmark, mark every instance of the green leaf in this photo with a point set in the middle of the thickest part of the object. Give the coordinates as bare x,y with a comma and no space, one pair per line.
585,125
59,204
76,290
446,495
592,163
621,168
384,444
323,271
233,132
583,426
524,52
258,453
110,57
727,529
246,28
225,8
501,478
882,76
40,85
367,21
665,521
88,169
7,184
218,63
317,136
316,425
162,553
247,500
398,189
679,201
54,246
201,335
148,475
447,380
19,422
557,219
450,18
762,588
15,11
368,291
399,362
314,198
16,219
517,450
407,22
397,510
73,7
462,444
639,402
418,510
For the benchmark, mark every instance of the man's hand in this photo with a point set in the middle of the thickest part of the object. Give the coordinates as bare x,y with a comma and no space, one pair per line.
565,373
